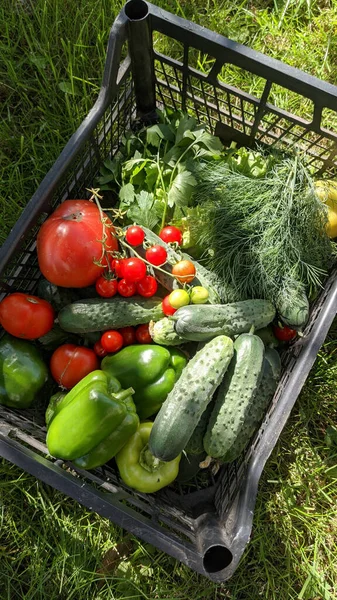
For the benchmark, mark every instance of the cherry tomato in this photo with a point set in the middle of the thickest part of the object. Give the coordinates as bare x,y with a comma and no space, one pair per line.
116,265
70,363
99,350
112,341
26,316
147,287
133,269
135,235
166,306
184,271
143,335
126,288
128,334
199,295
171,234
107,288
156,255
179,298
285,333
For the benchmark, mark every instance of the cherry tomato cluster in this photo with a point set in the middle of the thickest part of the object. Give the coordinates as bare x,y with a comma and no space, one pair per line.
114,339
128,276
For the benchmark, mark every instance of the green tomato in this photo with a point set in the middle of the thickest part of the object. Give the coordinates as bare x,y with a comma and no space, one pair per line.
199,295
179,298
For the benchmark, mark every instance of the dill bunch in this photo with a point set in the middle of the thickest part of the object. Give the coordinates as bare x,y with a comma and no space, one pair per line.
266,234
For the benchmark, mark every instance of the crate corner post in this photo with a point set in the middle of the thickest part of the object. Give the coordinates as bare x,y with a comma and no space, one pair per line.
141,55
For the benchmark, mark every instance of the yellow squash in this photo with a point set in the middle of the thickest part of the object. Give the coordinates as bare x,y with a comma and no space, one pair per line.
326,190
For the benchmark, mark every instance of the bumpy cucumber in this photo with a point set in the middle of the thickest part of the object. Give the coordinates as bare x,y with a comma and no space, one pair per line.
195,443
203,277
231,416
184,405
198,322
164,333
109,313
255,412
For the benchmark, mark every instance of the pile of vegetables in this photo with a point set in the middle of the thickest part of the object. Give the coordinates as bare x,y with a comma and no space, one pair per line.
160,317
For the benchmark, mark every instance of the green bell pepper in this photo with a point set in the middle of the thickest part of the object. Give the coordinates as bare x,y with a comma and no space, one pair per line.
92,422
151,370
22,372
139,469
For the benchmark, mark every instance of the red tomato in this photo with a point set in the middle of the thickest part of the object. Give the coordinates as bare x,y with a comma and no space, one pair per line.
126,288
133,269
99,350
171,234
184,271
26,316
116,265
156,255
70,363
143,335
112,341
135,235
68,243
284,334
128,334
147,287
166,306
107,288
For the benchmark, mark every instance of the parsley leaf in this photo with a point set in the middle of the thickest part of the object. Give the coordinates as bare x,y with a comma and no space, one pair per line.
181,189
141,211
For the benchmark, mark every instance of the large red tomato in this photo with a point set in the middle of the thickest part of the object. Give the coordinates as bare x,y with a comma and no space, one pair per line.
70,363
69,242
26,316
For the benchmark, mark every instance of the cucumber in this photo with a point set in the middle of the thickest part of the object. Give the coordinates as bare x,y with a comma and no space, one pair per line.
198,322
292,306
231,417
102,314
189,466
164,333
184,405
273,358
266,390
267,336
195,443
206,278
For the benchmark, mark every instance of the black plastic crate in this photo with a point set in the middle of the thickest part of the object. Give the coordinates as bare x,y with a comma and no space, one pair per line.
207,523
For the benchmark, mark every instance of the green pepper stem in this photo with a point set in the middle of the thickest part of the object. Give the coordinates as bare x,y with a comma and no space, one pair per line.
148,461
123,394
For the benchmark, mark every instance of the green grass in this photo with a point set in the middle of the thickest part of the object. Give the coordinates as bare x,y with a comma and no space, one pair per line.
50,547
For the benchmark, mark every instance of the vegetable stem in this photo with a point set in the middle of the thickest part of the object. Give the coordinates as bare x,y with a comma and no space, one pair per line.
96,198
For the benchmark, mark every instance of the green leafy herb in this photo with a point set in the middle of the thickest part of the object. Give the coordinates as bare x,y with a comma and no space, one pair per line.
263,234
144,211
181,189
154,162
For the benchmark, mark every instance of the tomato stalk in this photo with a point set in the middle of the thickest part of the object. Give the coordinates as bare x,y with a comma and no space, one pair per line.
123,243
95,197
